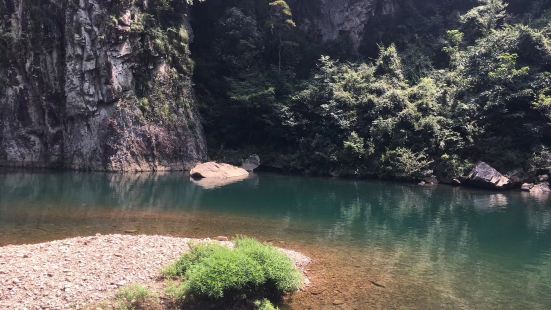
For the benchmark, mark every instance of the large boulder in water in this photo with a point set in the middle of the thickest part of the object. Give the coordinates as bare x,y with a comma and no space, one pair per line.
217,170
213,174
484,175
250,163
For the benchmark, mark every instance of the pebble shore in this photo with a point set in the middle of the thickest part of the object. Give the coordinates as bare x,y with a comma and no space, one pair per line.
73,273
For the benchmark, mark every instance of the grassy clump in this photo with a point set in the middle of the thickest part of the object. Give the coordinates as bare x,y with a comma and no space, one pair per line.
222,273
250,271
135,297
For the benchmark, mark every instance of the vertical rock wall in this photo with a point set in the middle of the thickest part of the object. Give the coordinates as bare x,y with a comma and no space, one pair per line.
328,19
97,84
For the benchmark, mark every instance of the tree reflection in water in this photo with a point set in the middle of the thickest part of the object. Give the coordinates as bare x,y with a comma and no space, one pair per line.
445,245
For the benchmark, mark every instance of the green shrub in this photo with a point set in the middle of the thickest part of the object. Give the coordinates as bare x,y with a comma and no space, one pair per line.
280,272
225,272
249,271
195,256
404,163
135,297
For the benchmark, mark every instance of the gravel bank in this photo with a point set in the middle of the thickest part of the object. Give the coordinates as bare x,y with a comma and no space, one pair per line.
72,273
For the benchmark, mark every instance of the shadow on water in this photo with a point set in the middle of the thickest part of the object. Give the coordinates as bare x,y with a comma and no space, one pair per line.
375,244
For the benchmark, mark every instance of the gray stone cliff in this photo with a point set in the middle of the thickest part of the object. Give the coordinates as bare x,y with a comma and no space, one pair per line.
327,19
98,85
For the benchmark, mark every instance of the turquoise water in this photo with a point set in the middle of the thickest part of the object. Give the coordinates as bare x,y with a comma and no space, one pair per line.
430,247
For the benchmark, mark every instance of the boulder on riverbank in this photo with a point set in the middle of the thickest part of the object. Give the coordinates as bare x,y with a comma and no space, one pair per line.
526,187
212,174
540,189
484,175
250,163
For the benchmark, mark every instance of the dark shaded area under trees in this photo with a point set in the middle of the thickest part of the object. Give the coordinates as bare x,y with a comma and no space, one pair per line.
434,89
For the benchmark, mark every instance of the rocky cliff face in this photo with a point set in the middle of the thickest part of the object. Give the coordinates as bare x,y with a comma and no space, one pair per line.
97,84
328,19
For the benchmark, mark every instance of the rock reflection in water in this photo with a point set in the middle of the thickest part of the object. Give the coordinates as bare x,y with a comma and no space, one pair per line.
429,246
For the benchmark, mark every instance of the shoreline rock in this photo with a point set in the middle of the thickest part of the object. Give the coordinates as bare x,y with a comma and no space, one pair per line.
485,176
217,170
212,174
540,189
251,163
76,272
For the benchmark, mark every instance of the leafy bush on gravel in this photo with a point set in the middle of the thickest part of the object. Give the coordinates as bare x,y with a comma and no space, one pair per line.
250,271
279,271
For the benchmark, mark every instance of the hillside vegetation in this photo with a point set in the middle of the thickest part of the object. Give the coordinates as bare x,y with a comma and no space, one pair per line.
430,92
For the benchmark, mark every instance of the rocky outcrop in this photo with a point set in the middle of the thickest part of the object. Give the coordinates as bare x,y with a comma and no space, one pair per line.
97,84
251,163
541,188
327,19
526,187
211,174
217,170
484,175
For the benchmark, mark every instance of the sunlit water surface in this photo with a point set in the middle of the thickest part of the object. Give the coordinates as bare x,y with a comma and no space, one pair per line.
374,244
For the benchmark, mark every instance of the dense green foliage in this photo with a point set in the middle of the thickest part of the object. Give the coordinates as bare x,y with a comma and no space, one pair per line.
227,276
451,83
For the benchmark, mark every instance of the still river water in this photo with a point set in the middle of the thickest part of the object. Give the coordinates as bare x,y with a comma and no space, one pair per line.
375,245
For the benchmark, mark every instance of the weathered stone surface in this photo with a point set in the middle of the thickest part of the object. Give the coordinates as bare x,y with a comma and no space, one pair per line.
541,188
483,175
81,88
526,187
251,163
217,170
328,19
212,175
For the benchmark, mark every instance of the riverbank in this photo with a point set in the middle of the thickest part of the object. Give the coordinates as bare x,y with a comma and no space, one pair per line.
87,270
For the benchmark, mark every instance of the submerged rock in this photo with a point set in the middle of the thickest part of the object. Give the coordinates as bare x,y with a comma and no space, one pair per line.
212,174
484,175
250,163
